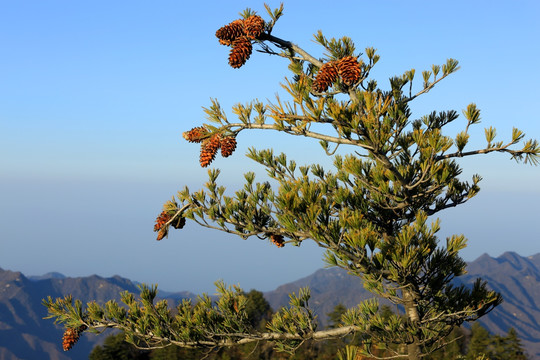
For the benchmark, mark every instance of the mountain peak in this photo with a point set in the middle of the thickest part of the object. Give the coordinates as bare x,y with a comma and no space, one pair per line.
510,255
49,275
482,264
517,262
508,262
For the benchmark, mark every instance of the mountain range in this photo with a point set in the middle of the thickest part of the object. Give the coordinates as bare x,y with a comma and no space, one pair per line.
24,334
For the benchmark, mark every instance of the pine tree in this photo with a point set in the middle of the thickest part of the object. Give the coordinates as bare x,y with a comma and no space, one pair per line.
495,347
480,343
334,317
510,347
370,212
258,309
514,347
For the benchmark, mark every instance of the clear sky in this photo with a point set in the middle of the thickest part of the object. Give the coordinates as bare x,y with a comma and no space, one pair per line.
94,96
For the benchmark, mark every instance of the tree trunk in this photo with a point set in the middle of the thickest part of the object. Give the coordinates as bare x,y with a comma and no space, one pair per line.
411,310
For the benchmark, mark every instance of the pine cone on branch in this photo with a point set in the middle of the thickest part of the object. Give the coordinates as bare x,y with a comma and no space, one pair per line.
349,70
254,26
326,76
209,148
162,233
228,145
196,135
240,52
230,32
161,220
179,222
71,336
277,240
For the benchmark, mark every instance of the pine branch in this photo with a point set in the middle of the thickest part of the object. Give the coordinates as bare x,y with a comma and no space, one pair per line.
292,47
531,154
233,339
295,130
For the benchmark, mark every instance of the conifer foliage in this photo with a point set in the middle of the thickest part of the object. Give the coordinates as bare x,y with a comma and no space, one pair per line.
370,212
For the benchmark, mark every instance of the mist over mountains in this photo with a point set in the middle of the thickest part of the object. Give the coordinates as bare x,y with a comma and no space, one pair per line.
24,334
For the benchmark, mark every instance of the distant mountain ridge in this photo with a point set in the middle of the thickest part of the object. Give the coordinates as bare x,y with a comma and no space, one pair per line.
517,278
25,335
50,275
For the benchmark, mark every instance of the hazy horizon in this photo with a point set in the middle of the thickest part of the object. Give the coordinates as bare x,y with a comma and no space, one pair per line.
54,274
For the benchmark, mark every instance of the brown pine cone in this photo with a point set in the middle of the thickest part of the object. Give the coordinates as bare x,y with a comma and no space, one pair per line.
225,42
228,145
277,240
196,135
162,233
254,26
209,149
349,70
240,52
326,76
71,336
228,33
161,220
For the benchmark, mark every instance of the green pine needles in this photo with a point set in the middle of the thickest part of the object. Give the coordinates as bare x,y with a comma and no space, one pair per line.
370,211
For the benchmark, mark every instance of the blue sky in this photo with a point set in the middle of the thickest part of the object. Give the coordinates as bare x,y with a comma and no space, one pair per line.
94,96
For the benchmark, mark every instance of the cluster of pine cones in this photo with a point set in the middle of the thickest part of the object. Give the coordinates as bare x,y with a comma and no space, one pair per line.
71,336
348,68
210,144
239,34
164,218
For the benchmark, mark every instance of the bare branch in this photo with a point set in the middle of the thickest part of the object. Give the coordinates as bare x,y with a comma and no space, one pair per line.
427,89
290,46
293,130
458,154
233,339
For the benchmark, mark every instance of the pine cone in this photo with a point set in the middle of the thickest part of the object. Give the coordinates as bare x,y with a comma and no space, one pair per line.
277,240
240,52
162,233
196,135
228,145
228,33
209,149
349,70
225,42
179,222
161,220
254,26
326,76
71,336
